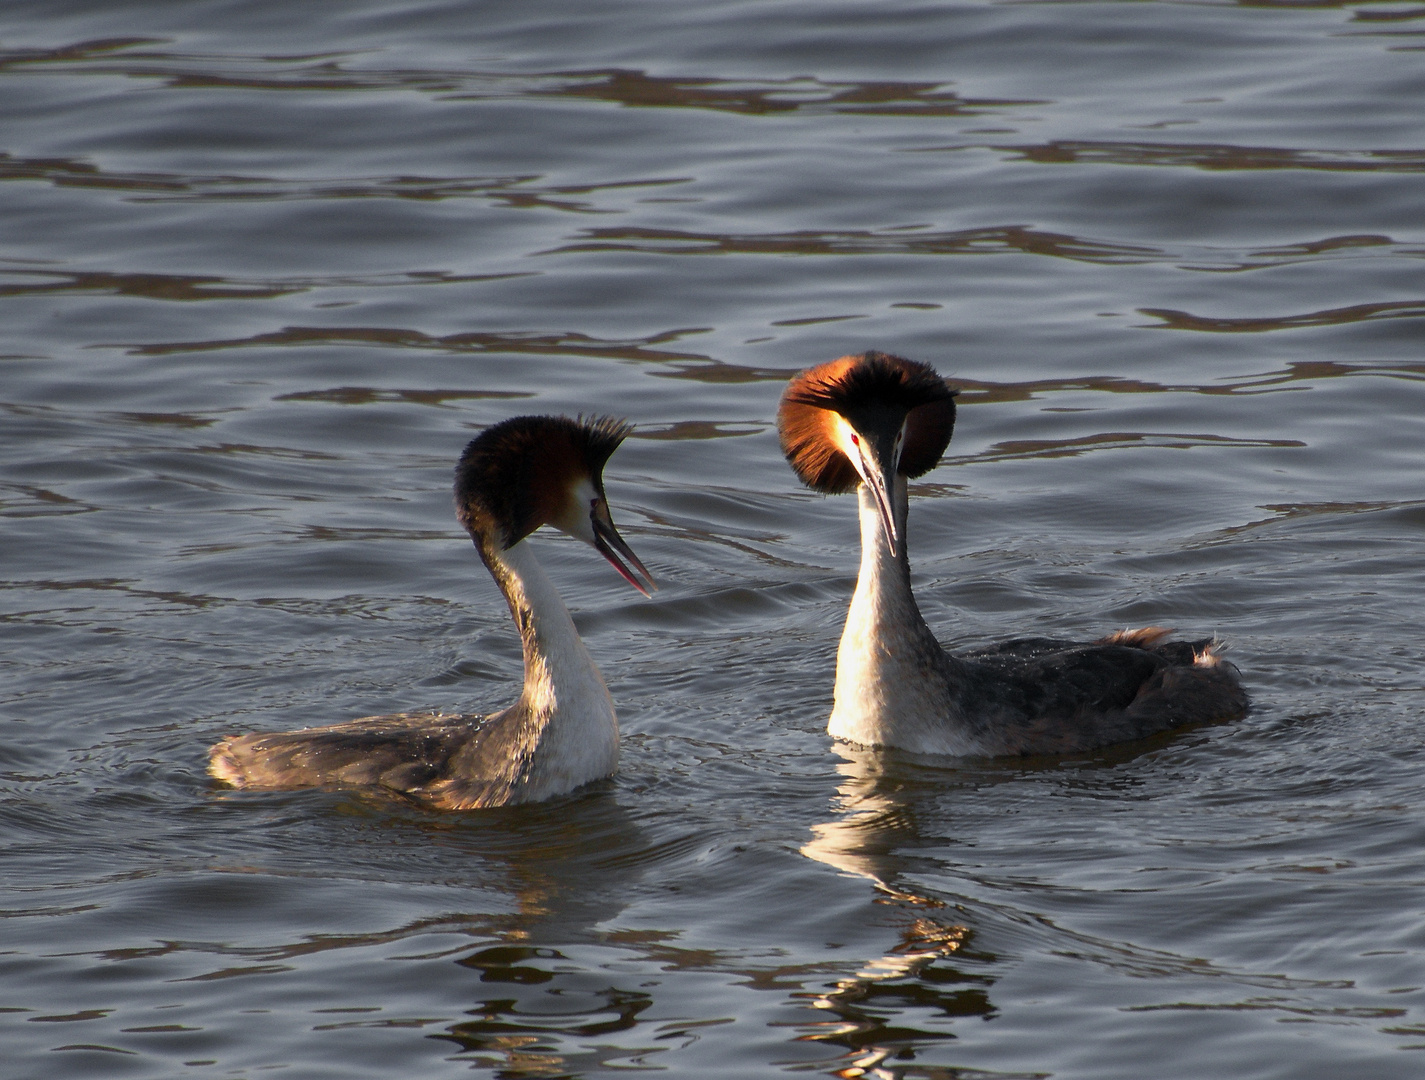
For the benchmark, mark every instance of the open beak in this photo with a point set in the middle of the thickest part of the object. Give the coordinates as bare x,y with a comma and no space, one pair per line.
611,546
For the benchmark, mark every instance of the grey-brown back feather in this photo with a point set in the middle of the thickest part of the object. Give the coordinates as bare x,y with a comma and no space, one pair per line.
411,754
1044,696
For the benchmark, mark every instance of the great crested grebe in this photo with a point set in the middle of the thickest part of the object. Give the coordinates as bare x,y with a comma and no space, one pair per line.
562,732
868,422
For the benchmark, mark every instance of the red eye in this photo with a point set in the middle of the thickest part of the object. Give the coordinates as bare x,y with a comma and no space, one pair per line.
855,439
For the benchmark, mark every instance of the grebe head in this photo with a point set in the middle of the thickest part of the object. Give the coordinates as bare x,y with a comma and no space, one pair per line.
863,419
530,471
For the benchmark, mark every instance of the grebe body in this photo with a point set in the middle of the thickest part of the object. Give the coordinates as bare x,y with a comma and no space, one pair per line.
562,732
871,421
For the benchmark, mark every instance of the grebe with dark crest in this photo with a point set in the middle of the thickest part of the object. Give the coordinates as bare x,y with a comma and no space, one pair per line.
868,423
562,732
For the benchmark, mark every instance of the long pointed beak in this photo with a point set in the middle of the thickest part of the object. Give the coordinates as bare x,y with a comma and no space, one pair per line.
880,478
611,546
877,483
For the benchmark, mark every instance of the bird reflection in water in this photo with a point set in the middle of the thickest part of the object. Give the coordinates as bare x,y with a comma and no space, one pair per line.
869,838
530,1006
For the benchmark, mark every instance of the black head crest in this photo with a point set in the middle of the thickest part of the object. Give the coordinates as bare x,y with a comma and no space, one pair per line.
869,379
515,475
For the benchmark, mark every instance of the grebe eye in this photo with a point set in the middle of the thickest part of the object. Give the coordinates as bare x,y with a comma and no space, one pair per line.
855,439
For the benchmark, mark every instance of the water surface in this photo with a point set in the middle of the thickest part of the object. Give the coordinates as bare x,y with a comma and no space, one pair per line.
267,267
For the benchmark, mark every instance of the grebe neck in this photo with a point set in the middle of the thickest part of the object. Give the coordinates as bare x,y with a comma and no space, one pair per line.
894,683
568,727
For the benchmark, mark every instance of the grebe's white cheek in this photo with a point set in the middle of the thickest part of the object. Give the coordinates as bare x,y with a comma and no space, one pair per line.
849,443
576,516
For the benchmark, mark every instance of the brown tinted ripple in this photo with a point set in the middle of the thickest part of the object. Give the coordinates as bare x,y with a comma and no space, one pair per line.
32,501
1219,157
1112,440
159,419
983,392
67,172
1182,320
685,430
720,373
119,585
630,88
638,89
149,286
1327,5
366,395
516,191
1388,16
995,240
560,344
83,50
182,287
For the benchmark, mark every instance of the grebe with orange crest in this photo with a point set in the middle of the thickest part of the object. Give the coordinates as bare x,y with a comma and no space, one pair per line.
871,422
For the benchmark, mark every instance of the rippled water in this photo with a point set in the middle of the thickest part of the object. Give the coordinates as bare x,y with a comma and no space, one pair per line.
266,267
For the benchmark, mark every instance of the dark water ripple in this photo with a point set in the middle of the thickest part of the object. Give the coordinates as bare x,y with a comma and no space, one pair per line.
266,269
629,88
1207,156
910,240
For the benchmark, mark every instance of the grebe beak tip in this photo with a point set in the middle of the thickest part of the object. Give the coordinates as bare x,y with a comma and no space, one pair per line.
611,546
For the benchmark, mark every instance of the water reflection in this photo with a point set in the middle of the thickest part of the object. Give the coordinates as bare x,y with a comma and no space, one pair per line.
517,341
516,191
1216,156
1395,15
30,500
866,1009
871,825
1356,313
557,996
1113,440
228,582
990,240
149,286
370,395
630,88
1292,375
910,240
79,51
872,836
762,96
525,1034
684,430
1367,15
544,993
1289,511
182,287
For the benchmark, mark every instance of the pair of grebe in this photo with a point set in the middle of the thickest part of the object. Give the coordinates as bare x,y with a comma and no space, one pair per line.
866,423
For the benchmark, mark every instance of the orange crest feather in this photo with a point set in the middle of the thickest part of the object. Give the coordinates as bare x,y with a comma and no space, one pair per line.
848,387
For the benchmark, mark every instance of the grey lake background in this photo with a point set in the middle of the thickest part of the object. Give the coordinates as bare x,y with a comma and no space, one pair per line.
266,267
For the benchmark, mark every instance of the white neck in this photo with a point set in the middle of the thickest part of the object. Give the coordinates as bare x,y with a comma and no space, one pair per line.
893,680
565,705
